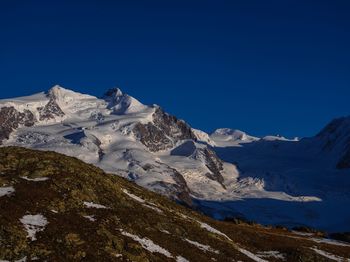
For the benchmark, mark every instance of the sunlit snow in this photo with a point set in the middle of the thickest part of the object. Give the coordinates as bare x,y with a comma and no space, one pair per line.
202,246
94,205
148,244
330,256
34,224
4,191
37,179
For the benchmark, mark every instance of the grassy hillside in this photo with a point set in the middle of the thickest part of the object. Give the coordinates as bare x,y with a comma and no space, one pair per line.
57,208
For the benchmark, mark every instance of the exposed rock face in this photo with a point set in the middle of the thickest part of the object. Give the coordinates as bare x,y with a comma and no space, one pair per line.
122,103
50,111
213,163
180,190
10,119
164,132
183,192
152,137
113,94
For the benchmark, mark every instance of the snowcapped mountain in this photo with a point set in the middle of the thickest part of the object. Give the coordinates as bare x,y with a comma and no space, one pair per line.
272,180
117,133
230,137
289,182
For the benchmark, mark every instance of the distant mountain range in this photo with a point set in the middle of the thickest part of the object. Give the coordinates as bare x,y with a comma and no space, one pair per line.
226,174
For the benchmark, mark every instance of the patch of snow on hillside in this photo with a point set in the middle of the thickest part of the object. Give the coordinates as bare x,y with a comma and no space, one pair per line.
93,205
143,202
24,259
91,218
181,259
305,236
34,224
329,241
251,255
37,179
147,244
153,208
202,247
302,233
330,256
165,231
4,191
272,254
213,230
242,250
138,199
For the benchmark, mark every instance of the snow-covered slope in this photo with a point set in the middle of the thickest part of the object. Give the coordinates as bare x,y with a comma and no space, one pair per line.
310,175
120,135
230,137
229,173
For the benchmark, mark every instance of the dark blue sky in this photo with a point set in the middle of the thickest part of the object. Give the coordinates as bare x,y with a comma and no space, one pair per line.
265,67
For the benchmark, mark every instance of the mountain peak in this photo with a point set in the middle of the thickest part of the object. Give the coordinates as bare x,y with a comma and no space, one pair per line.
122,103
62,95
336,127
234,134
56,91
113,93
228,136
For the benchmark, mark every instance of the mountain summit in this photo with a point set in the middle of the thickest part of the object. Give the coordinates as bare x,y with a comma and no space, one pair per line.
121,103
226,174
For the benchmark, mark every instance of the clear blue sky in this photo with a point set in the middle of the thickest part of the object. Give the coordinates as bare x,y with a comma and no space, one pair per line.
265,67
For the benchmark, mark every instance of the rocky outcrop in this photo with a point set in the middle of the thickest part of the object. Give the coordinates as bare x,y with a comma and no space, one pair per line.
152,137
164,132
182,191
11,119
121,103
178,191
203,154
212,162
50,111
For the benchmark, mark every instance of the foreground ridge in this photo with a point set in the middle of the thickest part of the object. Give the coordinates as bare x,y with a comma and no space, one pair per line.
60,208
